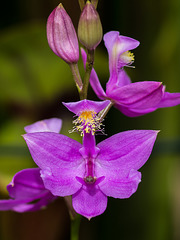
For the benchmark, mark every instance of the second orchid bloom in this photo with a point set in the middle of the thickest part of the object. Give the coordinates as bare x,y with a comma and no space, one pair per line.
132,99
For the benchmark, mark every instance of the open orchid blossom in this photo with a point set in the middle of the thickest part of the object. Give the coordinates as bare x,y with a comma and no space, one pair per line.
88,172
132,99
27,189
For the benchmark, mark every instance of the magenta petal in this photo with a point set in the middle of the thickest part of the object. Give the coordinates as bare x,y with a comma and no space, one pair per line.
24,205
119,162
26,184
53,150
127,43
62,181
169,100
59,158
123,43
10,204
126,150
47,125
89,201
117,81
117,44
131,112
109,39
25,188
86,105
123,79
114,186
140,95
96,85
40,203
94,81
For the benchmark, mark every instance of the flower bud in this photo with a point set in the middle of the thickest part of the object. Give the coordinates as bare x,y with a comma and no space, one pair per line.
61,35
90,28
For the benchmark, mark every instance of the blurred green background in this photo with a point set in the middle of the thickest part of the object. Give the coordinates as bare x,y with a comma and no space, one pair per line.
34,82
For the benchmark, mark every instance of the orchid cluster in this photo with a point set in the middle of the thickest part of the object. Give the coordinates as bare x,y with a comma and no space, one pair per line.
86,172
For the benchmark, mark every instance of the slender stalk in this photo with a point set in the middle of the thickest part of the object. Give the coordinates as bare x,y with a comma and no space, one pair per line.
75,224
104,112
72,212
81,4
89,66
76,76
75,219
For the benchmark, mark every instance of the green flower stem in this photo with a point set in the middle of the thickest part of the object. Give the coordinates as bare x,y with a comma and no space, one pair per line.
72,212
75,219
77,77
81,4
104,112
89,66
75,224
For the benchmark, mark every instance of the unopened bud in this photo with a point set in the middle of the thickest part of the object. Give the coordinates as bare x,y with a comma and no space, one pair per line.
62,36
90,28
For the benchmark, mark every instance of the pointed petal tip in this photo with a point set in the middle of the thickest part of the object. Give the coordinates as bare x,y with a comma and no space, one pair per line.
156,132
60,5
138,43
161,85
23,135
